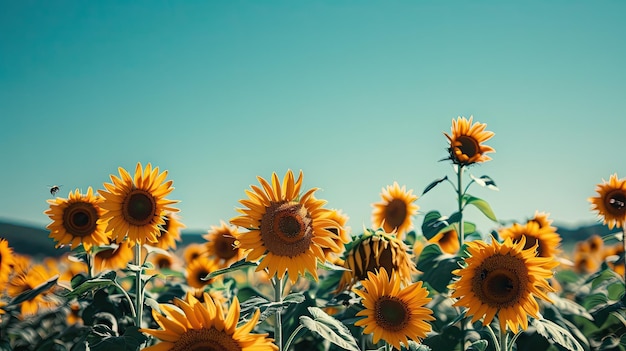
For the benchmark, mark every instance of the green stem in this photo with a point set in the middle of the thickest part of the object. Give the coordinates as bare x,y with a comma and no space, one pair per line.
503,346
130,301
293,336
459,178
138,286
278,297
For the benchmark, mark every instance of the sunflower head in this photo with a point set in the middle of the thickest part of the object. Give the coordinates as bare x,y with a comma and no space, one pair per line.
193,251
36,275
198,269
75,220
503,279
169,233
393,312
342,236
466,142
395,210
221,244
193,325
113,256
134,206
287,231
448,241
611,201
374,250
6,260
545,238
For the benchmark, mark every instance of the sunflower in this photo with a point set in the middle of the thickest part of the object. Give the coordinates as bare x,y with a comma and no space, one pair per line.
198,269
6,260
393,313
546,238
466,142
193,251
198,325
75,220
503,279
169,233
614,257
35,276
584,261
221,246
394,212
342,233
611,201
448,241
287,232
374,250
543,220
134,207
114,257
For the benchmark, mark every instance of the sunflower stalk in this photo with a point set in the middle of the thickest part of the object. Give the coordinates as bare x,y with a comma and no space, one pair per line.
138,286
277,283
459,192
503,346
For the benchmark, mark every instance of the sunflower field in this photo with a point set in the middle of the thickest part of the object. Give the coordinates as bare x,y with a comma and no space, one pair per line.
287,273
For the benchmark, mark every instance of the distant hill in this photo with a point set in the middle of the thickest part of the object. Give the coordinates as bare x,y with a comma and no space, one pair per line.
34,241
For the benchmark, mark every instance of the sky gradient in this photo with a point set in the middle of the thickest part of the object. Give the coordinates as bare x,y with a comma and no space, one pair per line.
356,94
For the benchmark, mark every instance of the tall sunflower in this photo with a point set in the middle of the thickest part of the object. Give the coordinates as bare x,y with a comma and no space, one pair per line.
221,244
546,238
373,250
503,279
287,232
611,201
134,207
466,142
392,312
6,260
169,233
75,220
395,210
203,326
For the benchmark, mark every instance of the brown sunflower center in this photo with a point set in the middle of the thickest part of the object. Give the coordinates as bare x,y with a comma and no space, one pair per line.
286,229
164,262
395,213
500,281
205,340
80,219
530,242
616,202
373,253
224,247
200,274
468,145
139,207
107,253
391,313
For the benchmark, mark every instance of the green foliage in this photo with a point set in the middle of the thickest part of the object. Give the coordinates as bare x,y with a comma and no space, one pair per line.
437,267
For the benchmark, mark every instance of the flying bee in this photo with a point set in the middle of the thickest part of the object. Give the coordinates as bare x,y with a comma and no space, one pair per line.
55,189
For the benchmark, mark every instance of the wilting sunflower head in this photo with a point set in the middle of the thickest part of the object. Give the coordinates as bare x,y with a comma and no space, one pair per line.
503,279
221,244
546,239
395,210
448,241
6,260
169,233
134,206
392,312
611,201
192,325
374,250
466,142
75,220
113,256
198,269
287,232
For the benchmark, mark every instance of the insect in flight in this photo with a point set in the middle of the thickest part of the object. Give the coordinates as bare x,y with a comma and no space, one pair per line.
55,189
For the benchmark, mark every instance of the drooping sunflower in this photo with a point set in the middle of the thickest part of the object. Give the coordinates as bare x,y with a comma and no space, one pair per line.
448,241
392,312
203,326
373,250
546,238
395,210
6,260
75,220
198,269
287,232
466,142
134,207
503,279
611,201
114,257
221,246
169,233
35,276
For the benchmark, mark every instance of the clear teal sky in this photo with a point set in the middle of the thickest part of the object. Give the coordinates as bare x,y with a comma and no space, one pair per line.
357,94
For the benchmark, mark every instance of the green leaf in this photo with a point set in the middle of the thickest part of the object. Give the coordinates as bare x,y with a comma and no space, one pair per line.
433,184
437,267
433,224
556,334
569,307
479,345
485,181
34,292
130,341
328,266
89,285
329,328
480,204
241,264
414,346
